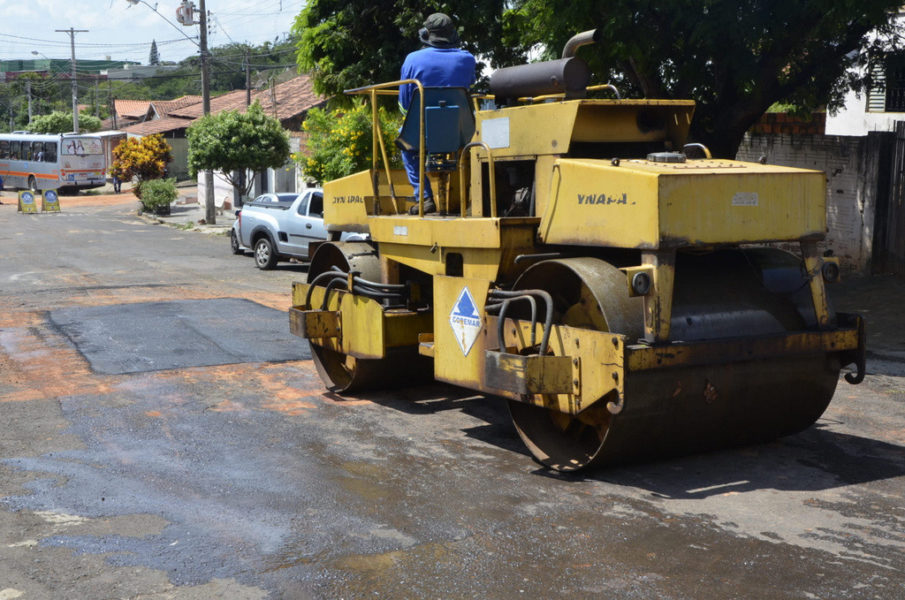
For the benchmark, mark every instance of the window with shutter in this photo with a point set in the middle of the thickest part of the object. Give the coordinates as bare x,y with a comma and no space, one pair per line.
876,94
895,84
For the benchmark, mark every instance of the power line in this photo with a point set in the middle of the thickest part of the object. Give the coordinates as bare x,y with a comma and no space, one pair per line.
88,44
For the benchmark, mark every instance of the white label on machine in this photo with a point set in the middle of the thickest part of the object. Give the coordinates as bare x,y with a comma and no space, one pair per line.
495,132
745,199
465,321
400,230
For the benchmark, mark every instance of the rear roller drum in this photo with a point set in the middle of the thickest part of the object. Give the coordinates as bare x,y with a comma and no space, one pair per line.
347,374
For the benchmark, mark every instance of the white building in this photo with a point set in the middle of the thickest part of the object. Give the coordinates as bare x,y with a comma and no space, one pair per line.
881,106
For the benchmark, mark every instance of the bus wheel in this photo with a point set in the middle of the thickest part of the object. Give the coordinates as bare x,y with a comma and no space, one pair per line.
32,184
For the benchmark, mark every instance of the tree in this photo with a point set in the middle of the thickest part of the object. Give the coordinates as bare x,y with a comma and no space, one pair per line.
735,58
231,142
154,57
339,143
228,62
61,122
142,158
344,44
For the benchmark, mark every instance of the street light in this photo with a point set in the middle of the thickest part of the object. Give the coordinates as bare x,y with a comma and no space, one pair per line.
210,212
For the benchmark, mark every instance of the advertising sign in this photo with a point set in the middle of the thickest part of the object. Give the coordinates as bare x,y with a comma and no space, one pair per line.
51,202
28,201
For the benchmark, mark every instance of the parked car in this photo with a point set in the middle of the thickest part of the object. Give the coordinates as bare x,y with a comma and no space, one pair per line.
280,226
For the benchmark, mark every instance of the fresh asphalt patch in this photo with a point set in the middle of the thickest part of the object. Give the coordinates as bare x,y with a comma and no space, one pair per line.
156,336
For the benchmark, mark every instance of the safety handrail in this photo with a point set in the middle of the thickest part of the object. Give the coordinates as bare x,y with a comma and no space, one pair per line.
490,169
372,91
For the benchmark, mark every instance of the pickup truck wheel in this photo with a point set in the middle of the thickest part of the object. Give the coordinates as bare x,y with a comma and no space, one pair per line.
265,254
234,243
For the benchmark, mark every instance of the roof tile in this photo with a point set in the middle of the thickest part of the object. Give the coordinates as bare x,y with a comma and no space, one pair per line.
293,98
135,109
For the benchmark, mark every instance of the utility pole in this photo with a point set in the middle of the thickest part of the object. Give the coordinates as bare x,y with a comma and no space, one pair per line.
112,103
75,83
28,93
210,212
247,80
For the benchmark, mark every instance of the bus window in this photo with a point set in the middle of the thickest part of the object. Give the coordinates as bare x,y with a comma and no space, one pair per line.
14,150
50,152
37,151
4,148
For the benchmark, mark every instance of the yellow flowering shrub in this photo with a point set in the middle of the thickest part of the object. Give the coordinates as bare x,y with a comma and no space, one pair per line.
339,143
141,158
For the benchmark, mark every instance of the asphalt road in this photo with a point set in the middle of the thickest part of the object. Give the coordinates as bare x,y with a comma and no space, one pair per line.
162,436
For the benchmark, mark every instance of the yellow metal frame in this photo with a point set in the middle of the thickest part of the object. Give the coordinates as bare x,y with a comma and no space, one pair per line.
353,324
610,358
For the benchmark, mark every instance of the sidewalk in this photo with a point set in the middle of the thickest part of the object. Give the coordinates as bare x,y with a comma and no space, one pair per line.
188,213
880,299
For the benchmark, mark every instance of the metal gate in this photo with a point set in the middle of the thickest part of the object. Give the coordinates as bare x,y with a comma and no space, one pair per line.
889,249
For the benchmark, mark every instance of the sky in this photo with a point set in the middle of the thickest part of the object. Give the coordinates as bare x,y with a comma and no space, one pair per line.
121,31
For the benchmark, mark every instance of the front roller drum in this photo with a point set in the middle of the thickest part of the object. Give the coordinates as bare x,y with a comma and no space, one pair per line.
347,374
586,293
679,410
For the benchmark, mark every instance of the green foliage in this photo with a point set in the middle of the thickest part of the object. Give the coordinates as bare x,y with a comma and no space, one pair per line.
157,193
734,58
228,62
142,158
344,44
61,122
232,141
339,143
47,95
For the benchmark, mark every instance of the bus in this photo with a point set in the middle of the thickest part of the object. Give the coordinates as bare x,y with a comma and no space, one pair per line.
65,162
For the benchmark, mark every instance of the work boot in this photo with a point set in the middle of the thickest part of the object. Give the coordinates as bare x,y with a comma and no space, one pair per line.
429,207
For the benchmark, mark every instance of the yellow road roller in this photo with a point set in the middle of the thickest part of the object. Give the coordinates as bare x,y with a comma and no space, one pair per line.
628,295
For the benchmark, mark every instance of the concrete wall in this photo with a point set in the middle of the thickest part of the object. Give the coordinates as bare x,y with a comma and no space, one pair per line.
852,166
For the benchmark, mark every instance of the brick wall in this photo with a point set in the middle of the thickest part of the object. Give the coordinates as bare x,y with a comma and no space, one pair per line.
784,123
851,165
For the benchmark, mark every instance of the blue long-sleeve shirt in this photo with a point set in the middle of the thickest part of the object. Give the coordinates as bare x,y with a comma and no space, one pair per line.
436,67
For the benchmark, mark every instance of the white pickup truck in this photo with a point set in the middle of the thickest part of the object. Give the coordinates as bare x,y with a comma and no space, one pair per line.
280,226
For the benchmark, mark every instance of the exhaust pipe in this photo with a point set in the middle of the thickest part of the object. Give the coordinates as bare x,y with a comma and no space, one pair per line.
569,75
578,40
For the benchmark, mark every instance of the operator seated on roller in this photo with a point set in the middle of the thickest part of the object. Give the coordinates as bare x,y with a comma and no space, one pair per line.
440,63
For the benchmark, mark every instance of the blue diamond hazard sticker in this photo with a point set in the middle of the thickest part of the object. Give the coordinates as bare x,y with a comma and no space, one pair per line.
465,321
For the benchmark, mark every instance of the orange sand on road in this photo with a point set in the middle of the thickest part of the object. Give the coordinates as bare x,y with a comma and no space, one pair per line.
102,200
124,198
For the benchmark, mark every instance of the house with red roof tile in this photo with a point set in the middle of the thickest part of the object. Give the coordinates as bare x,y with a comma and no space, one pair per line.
288,101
